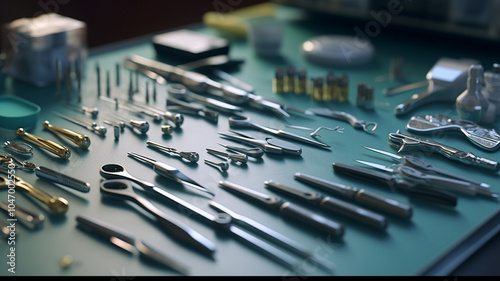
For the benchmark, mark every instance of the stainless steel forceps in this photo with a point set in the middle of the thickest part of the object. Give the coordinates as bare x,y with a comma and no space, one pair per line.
240,121
168,171
268,145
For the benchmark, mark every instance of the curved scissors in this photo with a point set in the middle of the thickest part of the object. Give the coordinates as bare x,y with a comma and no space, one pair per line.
244,121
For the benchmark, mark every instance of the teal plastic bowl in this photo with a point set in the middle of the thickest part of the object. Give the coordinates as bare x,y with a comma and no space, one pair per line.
16,112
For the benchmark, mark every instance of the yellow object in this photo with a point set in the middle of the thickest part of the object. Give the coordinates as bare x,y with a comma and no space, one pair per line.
66,261
234,22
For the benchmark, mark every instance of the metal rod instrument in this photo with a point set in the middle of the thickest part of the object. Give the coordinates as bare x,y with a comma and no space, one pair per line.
20,148
268,145
140,126
84,109
80,140
56,148
91,126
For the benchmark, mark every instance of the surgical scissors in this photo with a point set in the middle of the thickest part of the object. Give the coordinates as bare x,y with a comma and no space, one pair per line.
220,222
122,189
239,121
58,205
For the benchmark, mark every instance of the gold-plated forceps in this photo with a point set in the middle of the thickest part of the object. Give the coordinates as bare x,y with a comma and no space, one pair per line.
58,149
80,140
58,205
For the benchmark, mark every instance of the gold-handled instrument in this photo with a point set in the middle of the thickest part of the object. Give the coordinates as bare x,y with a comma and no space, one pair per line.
81,140
58,205
57,149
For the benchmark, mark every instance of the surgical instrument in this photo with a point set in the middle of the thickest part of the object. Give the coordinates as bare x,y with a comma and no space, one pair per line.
45,173
272,235
138,112
120,124
447,79
122,189
84,109
28,218
58,149
359,195
91,126
169,172
140,126
188,108
233,80
413,175
239,121
58,205
200,83
412,189
224,166
288,209
180,91
80,140
175,118
418,164
127,242
20,148
411,161
220,222
98,74
333,205
268,145
190,156
167,129
254,152
405,142
359,124
487,139
236,157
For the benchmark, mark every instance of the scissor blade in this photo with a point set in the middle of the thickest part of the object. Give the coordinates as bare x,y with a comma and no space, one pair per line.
377,166
168,171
